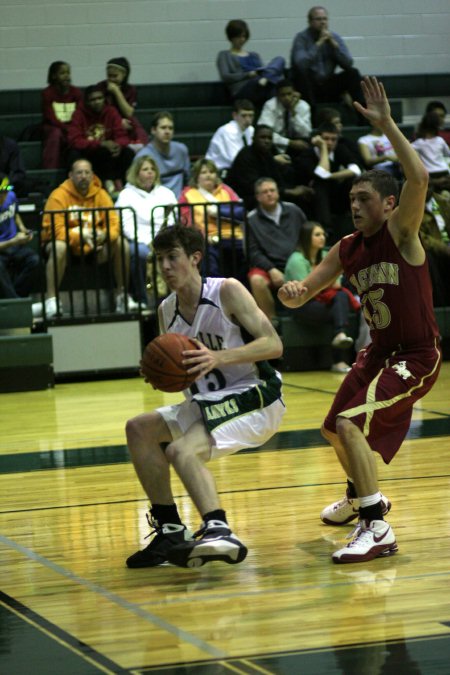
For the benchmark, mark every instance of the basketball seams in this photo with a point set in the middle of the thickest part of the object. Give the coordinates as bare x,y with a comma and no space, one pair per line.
169,356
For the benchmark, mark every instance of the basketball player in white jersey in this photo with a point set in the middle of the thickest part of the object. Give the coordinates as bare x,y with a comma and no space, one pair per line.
235,403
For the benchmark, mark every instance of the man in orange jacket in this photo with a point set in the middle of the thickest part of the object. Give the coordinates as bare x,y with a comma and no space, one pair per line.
80,214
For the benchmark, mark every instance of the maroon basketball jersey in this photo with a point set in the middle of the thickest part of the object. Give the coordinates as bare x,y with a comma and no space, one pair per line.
396,297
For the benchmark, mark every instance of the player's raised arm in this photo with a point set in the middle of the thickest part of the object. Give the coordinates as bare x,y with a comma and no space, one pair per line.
406,219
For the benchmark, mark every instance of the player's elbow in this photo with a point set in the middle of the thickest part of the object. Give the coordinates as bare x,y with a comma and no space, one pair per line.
277,350
425,178
421,176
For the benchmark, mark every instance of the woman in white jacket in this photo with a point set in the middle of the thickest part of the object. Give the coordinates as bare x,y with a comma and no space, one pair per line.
145,205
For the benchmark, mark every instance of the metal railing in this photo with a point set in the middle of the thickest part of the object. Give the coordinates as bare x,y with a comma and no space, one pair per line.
89,281
224,227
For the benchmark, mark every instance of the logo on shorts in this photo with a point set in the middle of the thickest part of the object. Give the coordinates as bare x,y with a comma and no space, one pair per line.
221,410
401,370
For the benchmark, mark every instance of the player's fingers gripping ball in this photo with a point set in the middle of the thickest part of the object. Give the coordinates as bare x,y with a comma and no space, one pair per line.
162,362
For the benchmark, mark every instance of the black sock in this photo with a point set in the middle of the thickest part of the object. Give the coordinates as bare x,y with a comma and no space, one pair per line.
372,512
218,514
164,513
351,490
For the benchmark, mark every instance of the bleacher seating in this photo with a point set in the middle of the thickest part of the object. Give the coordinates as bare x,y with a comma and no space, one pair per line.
198,109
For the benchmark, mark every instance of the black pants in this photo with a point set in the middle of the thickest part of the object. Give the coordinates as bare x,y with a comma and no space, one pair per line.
19,272
331,200
330,89
316,312
104,165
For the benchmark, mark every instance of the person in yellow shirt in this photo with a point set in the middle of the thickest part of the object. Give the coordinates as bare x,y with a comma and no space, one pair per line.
217,211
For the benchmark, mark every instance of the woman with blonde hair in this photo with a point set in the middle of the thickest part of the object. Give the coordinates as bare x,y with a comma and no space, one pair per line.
144,207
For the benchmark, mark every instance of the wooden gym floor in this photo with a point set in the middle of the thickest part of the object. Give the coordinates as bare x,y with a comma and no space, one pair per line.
72,511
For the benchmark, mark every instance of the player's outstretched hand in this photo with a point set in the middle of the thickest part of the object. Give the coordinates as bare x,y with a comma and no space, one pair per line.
291,293
377,108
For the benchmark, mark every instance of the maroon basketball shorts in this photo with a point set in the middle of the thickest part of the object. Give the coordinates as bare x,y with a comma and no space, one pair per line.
379,392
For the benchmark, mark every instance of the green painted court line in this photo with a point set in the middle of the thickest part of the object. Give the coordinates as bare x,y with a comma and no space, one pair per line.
118,454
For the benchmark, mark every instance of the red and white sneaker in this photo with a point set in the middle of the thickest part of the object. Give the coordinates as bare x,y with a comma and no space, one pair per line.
347,509
372,539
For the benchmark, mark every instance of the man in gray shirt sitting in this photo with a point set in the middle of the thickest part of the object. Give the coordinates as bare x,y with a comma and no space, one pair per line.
272,235
315,55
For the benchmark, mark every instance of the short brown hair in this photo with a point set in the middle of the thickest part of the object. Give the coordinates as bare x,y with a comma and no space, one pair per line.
236,28
190,239
198,166
381,181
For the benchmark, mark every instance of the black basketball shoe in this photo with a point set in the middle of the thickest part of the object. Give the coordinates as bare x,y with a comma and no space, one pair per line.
166,537
214,541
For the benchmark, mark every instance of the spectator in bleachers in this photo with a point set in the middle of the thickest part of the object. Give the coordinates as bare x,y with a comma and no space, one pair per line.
333,304
143,194
12,166
333,116
232,136
377,152
289,117
260,159
96,134
218,219
93,233
333,175
244,72
433,151
19,264
435,237
316,54
439,108
171,156
59,102
273,229
123,96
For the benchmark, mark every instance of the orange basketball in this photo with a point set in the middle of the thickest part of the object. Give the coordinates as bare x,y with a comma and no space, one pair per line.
162,364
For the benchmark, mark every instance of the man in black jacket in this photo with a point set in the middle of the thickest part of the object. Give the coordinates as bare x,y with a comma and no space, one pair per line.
257,161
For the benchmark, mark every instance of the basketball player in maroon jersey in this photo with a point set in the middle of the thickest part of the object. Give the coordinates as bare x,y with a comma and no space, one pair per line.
385,261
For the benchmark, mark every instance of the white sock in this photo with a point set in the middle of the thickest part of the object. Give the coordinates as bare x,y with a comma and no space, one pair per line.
370,500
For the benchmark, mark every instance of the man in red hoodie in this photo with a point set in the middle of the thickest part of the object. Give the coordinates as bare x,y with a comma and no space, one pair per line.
96,133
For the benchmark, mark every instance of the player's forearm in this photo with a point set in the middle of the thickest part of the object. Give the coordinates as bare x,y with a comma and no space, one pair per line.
260,349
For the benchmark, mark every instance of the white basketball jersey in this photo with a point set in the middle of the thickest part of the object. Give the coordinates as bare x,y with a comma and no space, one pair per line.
215,330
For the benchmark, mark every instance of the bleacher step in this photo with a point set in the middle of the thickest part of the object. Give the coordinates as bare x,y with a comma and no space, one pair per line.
26,363
15,313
